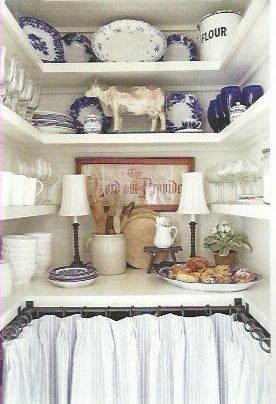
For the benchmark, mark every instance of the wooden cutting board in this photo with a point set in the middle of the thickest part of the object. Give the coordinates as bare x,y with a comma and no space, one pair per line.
139,231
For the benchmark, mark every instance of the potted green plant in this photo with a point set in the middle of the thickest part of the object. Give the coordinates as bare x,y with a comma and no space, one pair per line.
225,243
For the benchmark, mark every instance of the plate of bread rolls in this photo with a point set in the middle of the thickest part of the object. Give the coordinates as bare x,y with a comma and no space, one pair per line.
197,274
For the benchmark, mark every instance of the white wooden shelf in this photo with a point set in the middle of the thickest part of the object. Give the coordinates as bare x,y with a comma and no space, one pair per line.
17,128
257,211
248,128
237,63
16,212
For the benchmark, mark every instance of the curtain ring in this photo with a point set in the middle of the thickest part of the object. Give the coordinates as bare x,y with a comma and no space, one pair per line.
23,320
247,326
12,332
265,347
107,311
182,311
256,337
158,311
230,310
131,311
29,314
208,310
82,313
63,312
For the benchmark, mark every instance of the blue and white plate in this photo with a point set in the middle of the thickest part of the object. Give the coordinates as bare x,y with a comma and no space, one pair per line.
181,107
44,38
78,48
129,41
180,47
84,106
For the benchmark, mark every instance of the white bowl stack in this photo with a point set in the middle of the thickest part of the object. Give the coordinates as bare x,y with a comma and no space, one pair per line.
6,278
44,250
21,252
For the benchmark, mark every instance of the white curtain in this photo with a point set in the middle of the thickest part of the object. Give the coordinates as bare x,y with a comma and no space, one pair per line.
137,360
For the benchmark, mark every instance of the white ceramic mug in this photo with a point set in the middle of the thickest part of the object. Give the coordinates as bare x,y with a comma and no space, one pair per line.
5,190
6,278
17,190
30,190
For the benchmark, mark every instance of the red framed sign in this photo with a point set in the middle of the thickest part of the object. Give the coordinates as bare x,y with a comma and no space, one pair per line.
153,182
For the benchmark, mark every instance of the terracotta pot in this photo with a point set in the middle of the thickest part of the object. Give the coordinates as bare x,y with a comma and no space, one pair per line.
229,259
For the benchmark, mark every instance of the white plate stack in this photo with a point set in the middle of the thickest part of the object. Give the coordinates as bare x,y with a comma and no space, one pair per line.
44,250
21,252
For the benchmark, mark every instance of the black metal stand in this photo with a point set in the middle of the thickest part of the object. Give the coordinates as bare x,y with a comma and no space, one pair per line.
241,313
77,261
192,227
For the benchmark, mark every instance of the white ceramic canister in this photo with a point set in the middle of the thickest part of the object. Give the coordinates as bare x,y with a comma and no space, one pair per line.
236,111
216,32
6,278
92,124
108,253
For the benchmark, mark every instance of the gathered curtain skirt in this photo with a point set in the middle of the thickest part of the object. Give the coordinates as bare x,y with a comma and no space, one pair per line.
137,360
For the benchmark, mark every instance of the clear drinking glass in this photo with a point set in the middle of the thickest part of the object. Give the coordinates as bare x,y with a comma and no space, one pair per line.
16,85
25,96
34,102
7,65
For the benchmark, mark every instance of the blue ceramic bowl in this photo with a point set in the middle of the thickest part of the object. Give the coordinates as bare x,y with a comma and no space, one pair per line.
251,94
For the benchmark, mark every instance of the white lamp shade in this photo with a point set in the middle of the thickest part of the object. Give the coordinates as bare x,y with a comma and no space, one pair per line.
74,196
192,201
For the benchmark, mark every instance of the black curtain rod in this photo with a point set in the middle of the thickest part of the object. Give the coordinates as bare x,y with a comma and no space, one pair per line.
241,313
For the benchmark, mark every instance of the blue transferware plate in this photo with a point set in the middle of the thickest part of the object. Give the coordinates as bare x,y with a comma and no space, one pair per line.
44,38
72,273
180,107
128,41
78,48
207,287
180,47
84,106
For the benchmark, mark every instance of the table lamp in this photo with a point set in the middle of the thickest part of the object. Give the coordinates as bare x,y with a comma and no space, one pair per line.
75,203
192,201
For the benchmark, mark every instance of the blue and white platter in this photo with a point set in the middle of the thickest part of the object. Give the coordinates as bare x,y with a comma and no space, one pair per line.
206,287
129,41
78,48
72,273
181,107
84,106
44,38
77,284
180,47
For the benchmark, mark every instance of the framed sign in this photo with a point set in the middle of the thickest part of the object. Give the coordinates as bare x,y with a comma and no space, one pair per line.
153,182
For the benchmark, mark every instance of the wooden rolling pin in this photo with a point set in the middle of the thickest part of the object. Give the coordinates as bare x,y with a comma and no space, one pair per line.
118,207
99,216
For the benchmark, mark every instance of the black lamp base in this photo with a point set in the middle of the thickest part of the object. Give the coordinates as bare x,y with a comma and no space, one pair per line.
192,225
77,263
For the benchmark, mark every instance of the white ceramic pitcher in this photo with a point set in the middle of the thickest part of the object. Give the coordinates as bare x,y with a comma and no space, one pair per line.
163,236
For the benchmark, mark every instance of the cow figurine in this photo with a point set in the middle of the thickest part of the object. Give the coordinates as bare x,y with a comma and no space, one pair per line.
140,100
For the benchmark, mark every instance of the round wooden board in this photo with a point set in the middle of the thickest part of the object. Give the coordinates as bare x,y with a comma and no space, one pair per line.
139,231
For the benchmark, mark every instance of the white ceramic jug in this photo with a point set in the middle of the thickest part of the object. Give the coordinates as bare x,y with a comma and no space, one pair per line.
163,236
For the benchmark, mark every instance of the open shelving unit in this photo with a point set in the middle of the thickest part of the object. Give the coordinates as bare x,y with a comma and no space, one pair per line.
239,133
15,212
234,67
256,211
